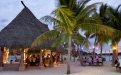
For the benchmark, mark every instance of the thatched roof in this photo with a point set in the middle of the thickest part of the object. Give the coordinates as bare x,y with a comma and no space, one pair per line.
61,49
23,29
47,45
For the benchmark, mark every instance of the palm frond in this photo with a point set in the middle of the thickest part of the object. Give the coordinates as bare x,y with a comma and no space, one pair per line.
86,11
97,28
65,16
81,5
79,39
117,36
49,35
50,20
63,38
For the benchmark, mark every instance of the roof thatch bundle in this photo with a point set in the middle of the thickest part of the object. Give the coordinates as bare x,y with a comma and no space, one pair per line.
44,45
22,30
61,49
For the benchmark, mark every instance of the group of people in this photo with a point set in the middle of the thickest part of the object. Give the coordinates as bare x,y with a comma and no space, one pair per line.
93,61
118,64
32,60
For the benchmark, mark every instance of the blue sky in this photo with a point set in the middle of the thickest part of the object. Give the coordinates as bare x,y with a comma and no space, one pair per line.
9,9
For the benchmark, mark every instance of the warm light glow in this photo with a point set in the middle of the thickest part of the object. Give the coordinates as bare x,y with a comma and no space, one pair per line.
24,56
45,56
6,55
114,48
25,53
42,50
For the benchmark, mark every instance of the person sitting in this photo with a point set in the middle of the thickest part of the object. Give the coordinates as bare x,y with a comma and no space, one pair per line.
31,61
90,60
119,65
85,60
95,61
34,61
11,61
100,60
38,59
116,64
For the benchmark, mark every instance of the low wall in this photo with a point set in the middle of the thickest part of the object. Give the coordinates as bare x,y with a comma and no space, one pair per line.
12,67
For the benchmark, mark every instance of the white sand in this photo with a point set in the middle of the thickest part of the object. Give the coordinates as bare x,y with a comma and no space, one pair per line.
61,69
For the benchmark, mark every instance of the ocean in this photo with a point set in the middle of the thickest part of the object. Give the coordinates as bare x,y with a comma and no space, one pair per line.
109,58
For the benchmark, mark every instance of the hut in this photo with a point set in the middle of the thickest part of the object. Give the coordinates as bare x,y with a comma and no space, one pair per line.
20,33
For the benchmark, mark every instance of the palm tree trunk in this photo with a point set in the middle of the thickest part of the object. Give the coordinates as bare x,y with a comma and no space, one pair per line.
51,60
115,54
113,58
69,52
116,50
81,57
93,54
101,51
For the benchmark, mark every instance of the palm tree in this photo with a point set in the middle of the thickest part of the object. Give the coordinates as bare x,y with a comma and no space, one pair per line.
100,39
114,21
102,14
68,18
108,17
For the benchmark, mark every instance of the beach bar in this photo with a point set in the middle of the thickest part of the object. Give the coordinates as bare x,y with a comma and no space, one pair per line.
17,37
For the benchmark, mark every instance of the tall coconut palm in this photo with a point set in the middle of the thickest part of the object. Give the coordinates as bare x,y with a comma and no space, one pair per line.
115,18
100,38
68,18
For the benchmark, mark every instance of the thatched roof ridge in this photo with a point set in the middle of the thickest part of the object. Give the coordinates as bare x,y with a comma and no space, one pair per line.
23,29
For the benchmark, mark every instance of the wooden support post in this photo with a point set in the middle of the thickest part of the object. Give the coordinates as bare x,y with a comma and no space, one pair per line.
40,63
51,60
1,58
22,67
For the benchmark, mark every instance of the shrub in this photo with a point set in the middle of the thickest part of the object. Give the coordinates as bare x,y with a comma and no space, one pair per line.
103,59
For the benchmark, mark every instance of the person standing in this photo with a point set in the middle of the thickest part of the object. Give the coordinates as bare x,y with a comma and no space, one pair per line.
119,65
116,64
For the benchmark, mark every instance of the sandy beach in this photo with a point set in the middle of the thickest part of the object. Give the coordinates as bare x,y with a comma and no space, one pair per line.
76,69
